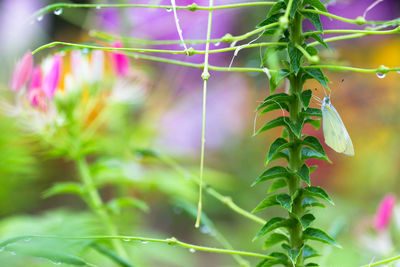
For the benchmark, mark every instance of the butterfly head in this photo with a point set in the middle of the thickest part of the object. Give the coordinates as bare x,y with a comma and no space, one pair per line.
326,101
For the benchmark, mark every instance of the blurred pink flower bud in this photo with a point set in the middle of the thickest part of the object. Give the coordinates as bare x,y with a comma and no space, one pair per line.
35,87
22,72
120,62
52,77
384,212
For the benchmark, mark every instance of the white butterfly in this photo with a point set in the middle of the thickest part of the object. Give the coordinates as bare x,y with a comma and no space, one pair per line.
335,133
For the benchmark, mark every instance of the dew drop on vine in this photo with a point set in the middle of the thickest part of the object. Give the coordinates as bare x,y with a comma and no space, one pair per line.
169,9
192,250
126,240
381,75
58,11
98,7
144,242
217,44
40,18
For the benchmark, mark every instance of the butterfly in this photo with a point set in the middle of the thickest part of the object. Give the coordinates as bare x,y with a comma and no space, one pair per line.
335,133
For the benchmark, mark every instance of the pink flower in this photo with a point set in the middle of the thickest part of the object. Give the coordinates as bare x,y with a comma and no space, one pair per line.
35,88
22,72
384,212
120,62
52,77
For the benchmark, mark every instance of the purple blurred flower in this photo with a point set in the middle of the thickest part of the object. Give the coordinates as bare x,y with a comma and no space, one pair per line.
22,72
52,77
384,212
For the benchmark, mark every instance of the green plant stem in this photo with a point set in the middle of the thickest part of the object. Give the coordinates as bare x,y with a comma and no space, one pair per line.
192,7
364,32
96,204
382,261
223,199
295,162
352,21
170,241
305,53
205,76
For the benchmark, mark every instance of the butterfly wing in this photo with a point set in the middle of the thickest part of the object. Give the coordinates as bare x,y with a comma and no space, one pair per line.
335,133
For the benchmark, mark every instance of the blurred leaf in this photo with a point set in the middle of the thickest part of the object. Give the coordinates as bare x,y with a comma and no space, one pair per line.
311,202
280,121
281,98
304,173
280,259
285,201
271,173
319,235
269,20
272,224
277,78
314,143
319,39
318,75
276,8
305,98
313,17
293,253
269,201
277,184
315,123
318,192
112,255
296,127
116,204
295,56
311,153
64,188
274,106
274,239
306,220
312,50
312,112
309,252
278,145
315,3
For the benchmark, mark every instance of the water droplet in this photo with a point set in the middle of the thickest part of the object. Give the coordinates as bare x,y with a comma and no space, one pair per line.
85,51
58,11
144,242
192,250
40,18
126,240
98,7
381,75
56,262
27,239
205,229
169,9
217,43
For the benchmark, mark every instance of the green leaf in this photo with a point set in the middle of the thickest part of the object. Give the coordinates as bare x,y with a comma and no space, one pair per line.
295,6
318,75
276,8
305,98
315,123
277,184
296,127
313,168
316,112
293,253
310,153
267,202
319,39
64,188
280,121
281,98
280,259
319,235
111,254
317,191
311,202
304,173
306,220
313,17
315,3
274,106
274,239
269,20
295,56
309,252
311,264
271,173
273,224
278,145
285,201
116,204
284,154
314,143
276,79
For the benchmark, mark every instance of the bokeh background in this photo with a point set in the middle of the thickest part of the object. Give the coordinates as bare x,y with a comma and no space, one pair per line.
167,118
